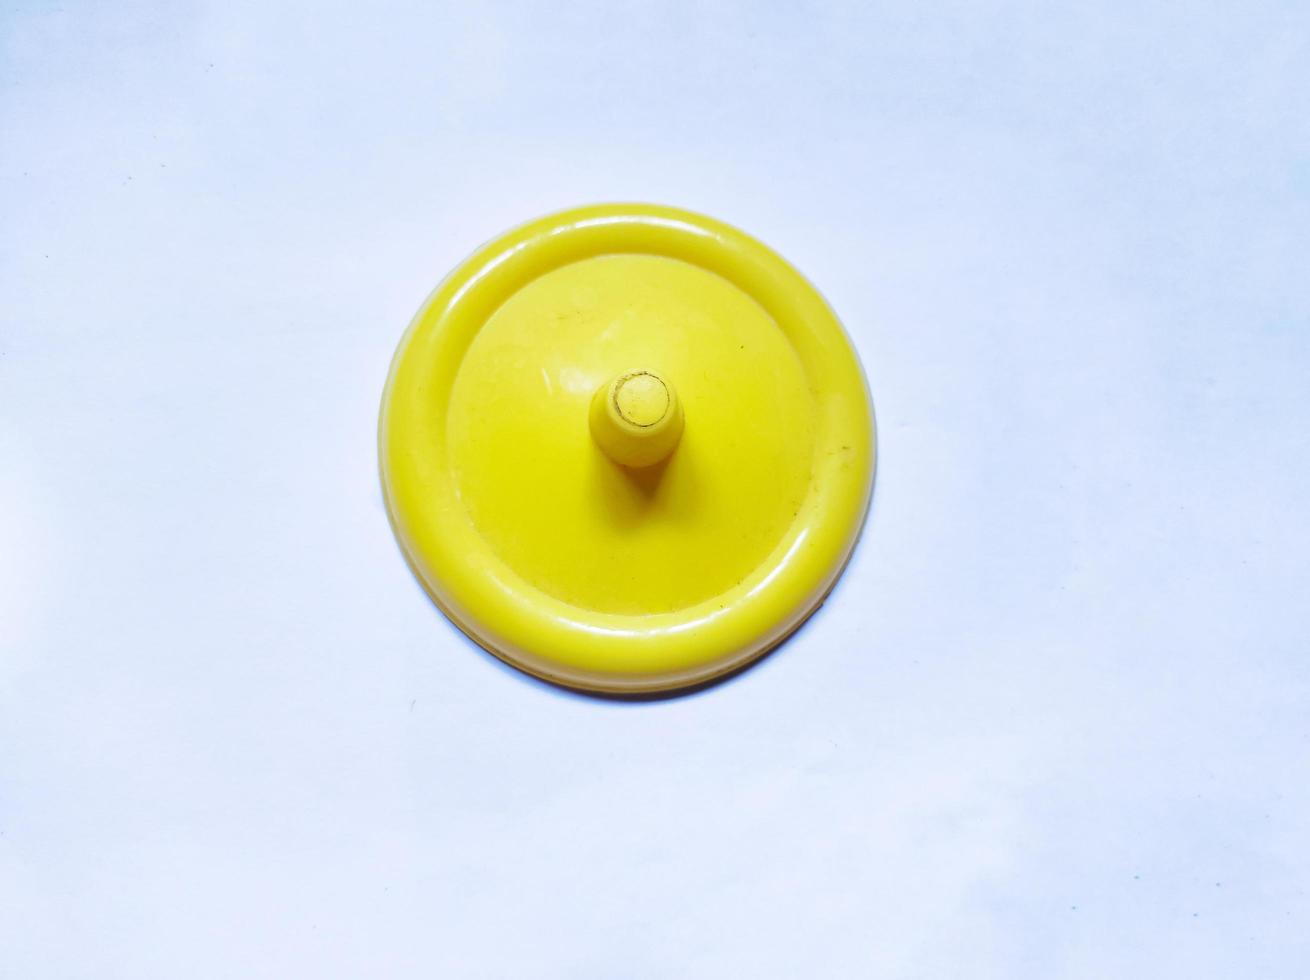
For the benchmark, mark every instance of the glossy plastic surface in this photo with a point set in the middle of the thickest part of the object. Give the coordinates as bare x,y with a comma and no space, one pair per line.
508,492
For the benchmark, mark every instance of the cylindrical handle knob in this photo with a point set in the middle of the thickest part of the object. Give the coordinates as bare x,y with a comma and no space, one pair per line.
636,418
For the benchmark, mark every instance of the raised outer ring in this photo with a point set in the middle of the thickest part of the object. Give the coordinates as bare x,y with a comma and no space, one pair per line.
582,648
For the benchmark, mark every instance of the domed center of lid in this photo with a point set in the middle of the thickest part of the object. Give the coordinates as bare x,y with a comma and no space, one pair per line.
636,418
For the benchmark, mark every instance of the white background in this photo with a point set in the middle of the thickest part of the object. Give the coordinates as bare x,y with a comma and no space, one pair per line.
1055,722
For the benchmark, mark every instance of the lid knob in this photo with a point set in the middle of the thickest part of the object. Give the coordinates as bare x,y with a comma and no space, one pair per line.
636,418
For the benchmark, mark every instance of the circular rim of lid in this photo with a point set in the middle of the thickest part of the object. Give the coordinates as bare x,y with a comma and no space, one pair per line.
586,649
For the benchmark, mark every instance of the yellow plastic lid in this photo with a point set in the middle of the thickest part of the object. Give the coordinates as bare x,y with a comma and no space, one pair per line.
626,448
